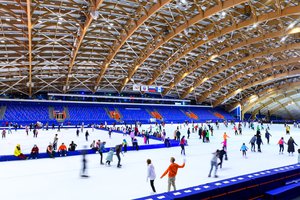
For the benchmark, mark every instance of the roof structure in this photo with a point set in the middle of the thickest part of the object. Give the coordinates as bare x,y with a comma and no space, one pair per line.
218,52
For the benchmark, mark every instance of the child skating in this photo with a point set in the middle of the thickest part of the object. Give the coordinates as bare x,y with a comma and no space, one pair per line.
244,149
109,157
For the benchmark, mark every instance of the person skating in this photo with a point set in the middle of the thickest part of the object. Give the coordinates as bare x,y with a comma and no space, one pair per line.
55,140
281,143
221,156
72,146
87,135
214,164
291,146
244,149
3,133
182,143
252,142
101,151
188,133
172,171
125,145
258,142
109,157
151,174
268,135
118,152
77,132
84,165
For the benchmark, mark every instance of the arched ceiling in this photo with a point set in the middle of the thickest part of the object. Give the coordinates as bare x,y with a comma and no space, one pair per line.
216,52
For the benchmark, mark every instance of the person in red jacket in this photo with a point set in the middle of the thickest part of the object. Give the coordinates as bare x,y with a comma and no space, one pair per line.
172,171
34,152
62,150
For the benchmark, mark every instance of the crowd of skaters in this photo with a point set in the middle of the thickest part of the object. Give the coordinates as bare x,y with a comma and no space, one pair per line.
204,130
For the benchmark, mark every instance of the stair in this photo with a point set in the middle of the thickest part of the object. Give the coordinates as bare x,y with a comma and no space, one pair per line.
51,109
66,110
2,112
190,114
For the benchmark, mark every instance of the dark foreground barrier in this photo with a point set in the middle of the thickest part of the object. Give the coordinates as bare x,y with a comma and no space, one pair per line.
250,186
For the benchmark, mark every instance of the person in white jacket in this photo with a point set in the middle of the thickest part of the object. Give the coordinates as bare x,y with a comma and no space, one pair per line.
151,174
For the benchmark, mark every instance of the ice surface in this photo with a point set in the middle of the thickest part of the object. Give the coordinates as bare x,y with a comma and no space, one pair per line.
58,178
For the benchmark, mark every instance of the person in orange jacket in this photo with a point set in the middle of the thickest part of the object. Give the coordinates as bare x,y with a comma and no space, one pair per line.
62,150
172,171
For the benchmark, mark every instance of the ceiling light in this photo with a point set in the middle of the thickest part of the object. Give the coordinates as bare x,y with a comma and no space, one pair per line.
109,27
294,30
111,24
292,25
255,25
283,39
18,20
2,41
7,19
59,22
223,14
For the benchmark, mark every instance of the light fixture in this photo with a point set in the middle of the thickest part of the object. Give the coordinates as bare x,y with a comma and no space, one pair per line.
111,24
2,41
283,39
7,19
109,27
255,25
292,25
223,14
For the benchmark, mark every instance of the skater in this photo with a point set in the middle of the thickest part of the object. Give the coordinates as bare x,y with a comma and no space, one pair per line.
244,149
125,145
109,157
26,129
55,140
182,143
207,136
287,129
258,142
34,152
3,133
188,133
118,151
281,143
252,142
101,151
87,135
298,155
291,146
35,133
221,155
235,130
267,135
84,163
77,132
213,163
172,171
151,175
18,153
109,132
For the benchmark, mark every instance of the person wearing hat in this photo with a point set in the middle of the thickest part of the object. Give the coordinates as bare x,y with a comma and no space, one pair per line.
18,153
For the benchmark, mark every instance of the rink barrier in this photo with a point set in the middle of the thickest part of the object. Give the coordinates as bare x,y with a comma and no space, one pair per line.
173,143
250,186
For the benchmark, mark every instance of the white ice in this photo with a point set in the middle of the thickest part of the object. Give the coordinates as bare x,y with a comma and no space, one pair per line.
59,178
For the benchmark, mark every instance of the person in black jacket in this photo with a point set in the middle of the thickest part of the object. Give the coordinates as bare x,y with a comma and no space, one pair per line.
118,149
221,155
258,142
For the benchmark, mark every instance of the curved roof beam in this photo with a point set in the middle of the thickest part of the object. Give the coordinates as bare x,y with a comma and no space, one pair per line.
271,100
244,102
29,27
263,95
150,49
80,38
229,49
245,59
262,81
262,18
229,80
124,37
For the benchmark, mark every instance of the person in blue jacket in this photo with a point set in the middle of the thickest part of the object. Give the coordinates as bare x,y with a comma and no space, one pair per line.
101,151
244,149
